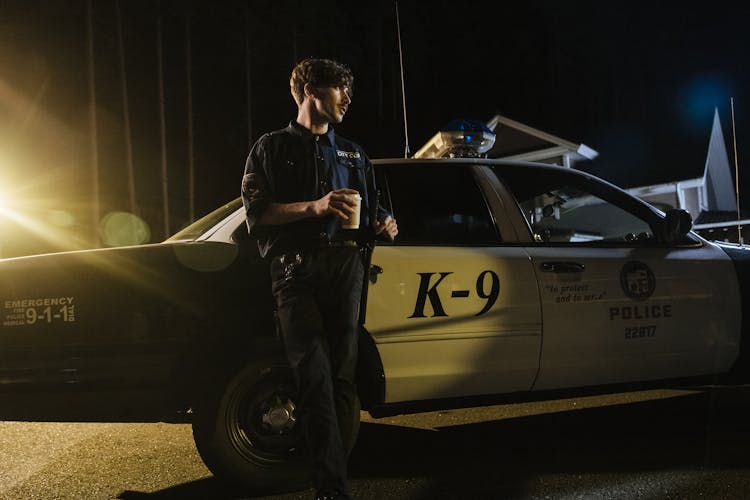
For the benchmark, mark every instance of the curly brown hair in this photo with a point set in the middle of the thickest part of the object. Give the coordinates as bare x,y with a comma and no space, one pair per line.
318,73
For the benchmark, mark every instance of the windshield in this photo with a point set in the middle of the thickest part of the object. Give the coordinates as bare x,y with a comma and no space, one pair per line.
199,227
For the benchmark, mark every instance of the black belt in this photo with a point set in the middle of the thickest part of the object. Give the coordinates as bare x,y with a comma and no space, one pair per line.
339,244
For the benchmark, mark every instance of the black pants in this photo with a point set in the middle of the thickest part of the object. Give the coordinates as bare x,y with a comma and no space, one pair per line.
317,297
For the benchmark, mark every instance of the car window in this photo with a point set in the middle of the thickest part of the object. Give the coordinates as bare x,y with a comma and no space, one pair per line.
573,209
438,205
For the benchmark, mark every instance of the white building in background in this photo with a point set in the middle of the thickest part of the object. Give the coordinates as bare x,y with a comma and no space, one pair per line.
709,199
714,191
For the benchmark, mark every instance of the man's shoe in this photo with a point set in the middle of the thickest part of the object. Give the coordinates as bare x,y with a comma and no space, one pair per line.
332,495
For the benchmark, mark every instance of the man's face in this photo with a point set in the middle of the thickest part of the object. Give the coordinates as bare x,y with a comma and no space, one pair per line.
331,103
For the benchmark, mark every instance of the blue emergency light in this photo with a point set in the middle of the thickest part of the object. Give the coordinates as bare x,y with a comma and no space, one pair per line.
467,138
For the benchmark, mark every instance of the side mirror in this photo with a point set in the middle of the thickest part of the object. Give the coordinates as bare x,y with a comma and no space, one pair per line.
677,224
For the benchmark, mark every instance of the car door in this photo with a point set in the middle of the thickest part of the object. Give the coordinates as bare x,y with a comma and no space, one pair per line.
453,312
619,303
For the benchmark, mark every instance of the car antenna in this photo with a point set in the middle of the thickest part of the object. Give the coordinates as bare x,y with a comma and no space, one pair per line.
403,92
736,176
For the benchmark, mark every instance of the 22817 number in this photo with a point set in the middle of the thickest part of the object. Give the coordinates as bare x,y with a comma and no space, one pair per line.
640,332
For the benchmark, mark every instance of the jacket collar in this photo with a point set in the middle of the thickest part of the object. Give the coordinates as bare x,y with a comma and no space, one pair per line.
300,131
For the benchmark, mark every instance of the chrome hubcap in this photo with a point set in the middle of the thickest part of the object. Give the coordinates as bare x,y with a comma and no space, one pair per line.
278,415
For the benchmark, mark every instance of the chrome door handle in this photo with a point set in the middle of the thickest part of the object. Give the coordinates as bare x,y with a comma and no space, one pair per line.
562,267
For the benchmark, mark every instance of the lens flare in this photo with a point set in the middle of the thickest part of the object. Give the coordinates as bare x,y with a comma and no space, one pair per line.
61,218
700,97
123,229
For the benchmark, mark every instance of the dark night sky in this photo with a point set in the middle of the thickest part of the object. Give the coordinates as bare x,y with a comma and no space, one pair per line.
637,81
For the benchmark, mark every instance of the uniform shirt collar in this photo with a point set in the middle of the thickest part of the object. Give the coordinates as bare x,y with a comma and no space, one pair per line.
297,129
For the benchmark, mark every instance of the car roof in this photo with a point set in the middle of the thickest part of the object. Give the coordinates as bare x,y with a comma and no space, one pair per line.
224,229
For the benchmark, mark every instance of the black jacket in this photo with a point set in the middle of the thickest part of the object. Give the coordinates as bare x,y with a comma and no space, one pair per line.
287,166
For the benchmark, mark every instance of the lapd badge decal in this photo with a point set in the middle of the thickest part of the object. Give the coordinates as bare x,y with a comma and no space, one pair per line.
637,280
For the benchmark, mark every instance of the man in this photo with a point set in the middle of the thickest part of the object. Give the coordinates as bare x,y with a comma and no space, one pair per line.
297,190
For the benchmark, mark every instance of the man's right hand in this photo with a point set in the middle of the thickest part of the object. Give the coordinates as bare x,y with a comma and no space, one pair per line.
336,202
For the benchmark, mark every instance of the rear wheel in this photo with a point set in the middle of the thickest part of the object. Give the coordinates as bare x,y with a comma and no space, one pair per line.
249,434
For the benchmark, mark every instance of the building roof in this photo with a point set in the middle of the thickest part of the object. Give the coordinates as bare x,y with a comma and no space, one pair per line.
717,172
517,141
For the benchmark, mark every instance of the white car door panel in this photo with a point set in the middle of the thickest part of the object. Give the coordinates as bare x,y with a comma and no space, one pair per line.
454,321
453,313
635,314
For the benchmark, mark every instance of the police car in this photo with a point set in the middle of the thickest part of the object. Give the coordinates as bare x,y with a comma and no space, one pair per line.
507,281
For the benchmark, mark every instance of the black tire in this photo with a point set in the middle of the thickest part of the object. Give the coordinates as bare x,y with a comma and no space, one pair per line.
248,434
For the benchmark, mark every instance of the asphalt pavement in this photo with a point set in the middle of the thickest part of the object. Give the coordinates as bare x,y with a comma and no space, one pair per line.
645,445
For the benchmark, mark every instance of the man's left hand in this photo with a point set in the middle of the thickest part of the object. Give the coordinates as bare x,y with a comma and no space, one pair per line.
387,227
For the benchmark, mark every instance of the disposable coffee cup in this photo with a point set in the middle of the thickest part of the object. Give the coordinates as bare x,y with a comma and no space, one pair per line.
353,221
